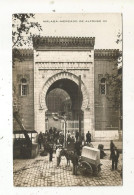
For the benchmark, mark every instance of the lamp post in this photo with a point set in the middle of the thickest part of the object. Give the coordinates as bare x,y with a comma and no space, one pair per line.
79,106
65,129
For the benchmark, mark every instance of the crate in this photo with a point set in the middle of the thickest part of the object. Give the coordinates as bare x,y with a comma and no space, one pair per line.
90,155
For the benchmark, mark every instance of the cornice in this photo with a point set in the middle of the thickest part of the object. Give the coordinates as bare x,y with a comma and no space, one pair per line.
98,53
63,43
106,53
20,53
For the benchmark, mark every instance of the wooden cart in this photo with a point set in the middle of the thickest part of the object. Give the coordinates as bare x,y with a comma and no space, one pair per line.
89,162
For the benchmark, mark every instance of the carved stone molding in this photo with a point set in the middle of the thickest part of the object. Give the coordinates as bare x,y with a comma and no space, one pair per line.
63,65
58,76
21,76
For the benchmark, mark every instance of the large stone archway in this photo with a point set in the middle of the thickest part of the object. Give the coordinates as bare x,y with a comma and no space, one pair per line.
87,113
63,59
63,75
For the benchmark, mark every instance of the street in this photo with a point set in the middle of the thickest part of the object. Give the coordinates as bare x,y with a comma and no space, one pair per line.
41,172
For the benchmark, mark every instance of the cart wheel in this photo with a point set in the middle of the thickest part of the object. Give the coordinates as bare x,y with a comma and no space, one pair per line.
85,168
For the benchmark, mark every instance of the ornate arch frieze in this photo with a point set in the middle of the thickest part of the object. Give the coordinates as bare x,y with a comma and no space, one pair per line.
63,75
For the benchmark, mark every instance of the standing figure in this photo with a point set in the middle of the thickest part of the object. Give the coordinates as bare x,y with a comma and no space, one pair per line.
75,163
58,155
111,148
77,148
50,150
40,140
77,135
50,130
88,137
68,134
115,157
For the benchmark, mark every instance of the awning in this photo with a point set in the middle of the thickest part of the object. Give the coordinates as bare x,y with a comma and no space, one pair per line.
22,131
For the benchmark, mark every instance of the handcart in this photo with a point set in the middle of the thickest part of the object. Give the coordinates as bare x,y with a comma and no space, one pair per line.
89,162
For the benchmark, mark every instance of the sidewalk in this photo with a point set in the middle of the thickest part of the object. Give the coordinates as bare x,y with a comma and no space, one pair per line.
41,172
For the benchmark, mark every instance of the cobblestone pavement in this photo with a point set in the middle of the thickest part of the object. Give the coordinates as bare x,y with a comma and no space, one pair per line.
41,172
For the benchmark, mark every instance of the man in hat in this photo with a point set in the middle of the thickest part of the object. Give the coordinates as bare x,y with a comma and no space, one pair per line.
88,137
115,157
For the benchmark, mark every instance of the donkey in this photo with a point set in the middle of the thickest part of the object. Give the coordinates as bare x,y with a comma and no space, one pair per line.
68,155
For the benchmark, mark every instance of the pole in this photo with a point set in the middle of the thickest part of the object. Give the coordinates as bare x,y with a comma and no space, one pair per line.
65,129
79,106
65,134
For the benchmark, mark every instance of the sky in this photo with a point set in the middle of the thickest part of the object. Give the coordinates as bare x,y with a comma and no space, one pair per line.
104,27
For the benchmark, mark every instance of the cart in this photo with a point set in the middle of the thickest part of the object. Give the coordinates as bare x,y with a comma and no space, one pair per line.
24,144
89,162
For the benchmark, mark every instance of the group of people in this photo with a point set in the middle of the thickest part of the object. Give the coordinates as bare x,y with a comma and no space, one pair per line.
53,140
54,137
49,140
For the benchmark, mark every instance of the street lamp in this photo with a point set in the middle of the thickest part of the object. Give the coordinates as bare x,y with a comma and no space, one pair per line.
65,129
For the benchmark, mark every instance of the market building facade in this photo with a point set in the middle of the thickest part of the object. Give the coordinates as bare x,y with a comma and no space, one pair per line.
57,62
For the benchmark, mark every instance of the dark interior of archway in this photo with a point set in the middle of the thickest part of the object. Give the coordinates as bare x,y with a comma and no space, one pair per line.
71,88
58,100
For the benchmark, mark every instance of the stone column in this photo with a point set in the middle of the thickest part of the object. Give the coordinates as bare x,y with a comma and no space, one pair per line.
40,120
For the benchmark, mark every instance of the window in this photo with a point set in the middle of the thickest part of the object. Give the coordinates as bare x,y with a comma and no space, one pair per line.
23,87
103,86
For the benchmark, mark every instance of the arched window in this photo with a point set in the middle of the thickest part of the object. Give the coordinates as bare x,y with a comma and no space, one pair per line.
103,86
24,88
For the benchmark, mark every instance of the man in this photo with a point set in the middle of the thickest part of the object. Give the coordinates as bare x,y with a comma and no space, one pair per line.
61,139
77,135
40,140
88,137
68,135
50,130
115,157
50,150
75,163
58,155
77,148
111,148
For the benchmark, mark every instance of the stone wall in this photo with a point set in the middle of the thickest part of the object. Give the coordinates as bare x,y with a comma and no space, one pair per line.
24,69
106,117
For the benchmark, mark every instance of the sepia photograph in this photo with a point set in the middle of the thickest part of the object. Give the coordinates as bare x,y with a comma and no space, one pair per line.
67,99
